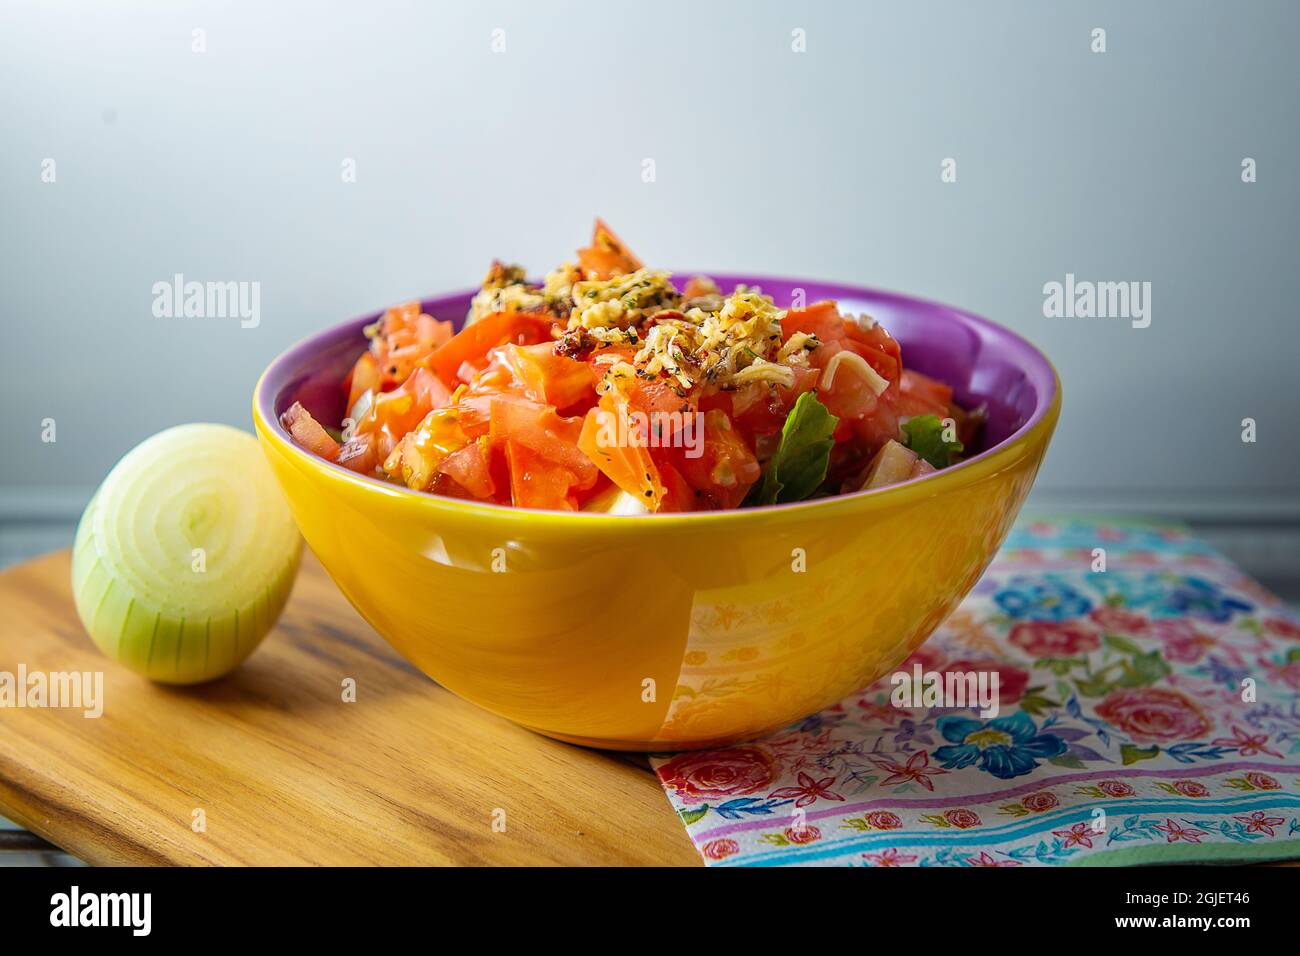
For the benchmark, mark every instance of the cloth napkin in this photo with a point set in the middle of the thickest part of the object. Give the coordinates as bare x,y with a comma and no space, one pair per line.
1149,713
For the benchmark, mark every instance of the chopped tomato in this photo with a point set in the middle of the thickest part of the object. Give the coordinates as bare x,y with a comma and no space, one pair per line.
475,413
805,380
537,481
604,441
308,433
607,256
540,429
404,337
848,396
363,378
466,373
880,427
468,467
877,346
726,469
761,409
666,412
393,414
678,494
494,377
447,487
518,409
546,377
360,453
882,363
602,359
821,319
421,451
921,395
473,342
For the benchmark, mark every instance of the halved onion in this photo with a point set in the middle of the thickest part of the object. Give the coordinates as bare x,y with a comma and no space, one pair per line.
186,554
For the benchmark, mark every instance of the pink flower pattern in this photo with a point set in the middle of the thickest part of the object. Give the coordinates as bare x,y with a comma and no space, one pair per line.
1116,689
890,857
809,790
1174,832
1077,835
916,770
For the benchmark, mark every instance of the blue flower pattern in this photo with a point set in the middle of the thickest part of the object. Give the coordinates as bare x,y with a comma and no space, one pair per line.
1004,746
1041,599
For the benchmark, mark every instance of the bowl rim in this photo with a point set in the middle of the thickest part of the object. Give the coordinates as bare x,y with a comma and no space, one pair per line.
1042,419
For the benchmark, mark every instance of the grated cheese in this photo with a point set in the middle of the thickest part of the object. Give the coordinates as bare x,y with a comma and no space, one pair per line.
719,341
858,364
621,301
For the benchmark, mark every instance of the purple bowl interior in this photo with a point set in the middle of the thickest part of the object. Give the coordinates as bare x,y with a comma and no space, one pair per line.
984,363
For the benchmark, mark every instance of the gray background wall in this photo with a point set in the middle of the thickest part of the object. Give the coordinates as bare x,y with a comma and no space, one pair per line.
225,165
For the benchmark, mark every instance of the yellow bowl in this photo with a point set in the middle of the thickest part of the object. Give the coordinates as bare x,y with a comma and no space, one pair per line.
672,632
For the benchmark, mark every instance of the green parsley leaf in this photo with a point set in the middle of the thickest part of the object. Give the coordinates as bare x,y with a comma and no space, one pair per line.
798,466
924,435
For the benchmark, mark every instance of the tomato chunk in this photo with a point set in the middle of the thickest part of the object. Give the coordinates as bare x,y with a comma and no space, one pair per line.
821,319
472,344
308,432
364,378
545,377
878,347
921,395
468,467
678,494
404,336
607,256
663,411
419,455
627,463
393,414
726,468
540,429
537,481
360,453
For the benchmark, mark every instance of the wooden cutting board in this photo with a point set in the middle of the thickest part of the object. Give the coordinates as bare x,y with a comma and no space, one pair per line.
285,772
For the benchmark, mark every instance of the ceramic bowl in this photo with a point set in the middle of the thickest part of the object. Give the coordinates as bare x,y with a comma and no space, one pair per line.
673,631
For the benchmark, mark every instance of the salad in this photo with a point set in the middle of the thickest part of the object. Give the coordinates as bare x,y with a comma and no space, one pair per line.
606,387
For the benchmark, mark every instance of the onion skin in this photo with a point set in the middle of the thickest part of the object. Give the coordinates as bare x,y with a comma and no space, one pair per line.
186,555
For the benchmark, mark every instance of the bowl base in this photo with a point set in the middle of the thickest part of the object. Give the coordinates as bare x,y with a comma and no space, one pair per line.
654,746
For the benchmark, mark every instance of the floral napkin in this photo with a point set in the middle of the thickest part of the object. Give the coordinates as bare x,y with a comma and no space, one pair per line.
1149,713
